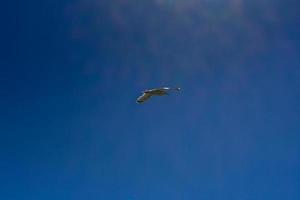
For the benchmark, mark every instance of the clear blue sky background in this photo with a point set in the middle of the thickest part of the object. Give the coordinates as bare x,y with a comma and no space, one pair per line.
71,71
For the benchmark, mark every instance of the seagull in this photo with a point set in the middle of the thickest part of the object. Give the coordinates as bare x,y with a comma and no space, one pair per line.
155,92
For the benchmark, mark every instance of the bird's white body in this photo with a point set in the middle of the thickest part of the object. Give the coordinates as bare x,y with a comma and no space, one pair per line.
155,92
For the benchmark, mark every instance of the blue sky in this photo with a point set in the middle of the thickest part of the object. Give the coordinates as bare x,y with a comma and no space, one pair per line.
72,70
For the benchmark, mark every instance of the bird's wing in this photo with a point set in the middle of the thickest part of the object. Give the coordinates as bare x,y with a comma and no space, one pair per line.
143,97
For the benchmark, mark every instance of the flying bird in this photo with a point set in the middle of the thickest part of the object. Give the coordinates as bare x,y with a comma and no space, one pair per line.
155,92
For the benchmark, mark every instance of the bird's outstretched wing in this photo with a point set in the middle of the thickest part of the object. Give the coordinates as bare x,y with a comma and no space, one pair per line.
143,97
